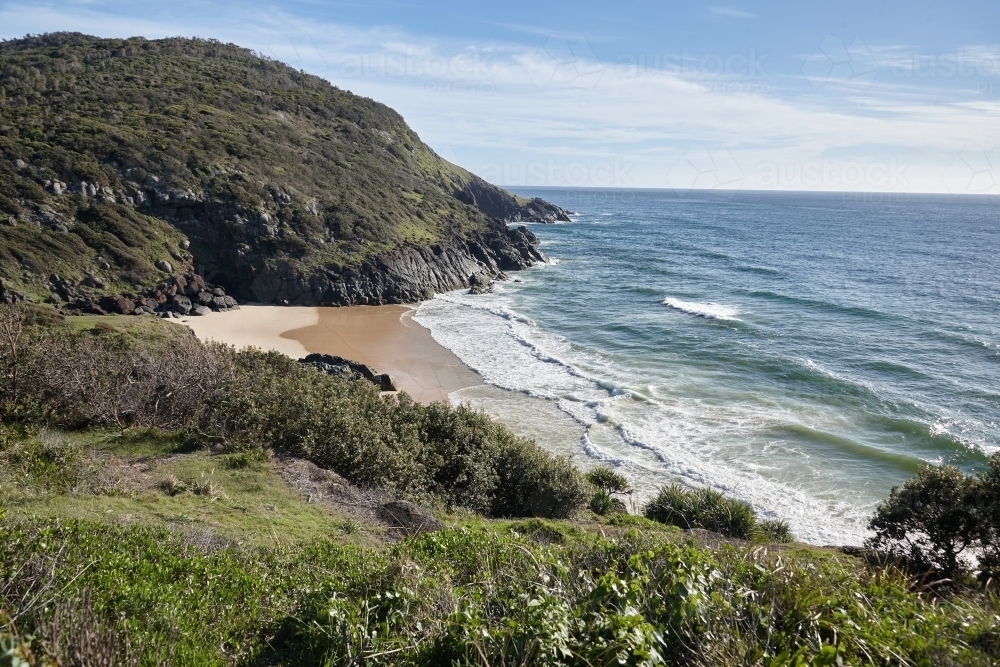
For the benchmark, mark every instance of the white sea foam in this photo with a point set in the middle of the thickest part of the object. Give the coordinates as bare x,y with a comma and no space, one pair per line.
708,310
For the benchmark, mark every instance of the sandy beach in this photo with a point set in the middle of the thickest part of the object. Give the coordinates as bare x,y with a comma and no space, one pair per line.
384,337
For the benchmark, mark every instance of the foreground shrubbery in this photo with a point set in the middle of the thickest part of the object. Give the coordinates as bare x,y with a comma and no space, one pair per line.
249,400
706,508
522,594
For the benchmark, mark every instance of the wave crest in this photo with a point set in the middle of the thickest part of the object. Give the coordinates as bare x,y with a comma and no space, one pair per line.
708,310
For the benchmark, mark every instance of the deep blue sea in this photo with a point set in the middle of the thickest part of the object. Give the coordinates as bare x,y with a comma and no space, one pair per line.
802,352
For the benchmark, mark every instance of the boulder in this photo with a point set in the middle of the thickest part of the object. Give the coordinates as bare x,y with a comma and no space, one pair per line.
90,280
338,366
200,310
118,305
181,304
409,518
385,382
165,266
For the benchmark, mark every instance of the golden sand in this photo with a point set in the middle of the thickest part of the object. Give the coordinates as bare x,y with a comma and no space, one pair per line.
384,337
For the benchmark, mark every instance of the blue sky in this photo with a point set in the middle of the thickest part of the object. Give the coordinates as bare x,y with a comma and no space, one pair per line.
854,96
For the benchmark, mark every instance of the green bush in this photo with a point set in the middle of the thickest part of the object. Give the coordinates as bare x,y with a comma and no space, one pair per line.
702,508
939,521
608,480
435,453
608,484
252,401
773,530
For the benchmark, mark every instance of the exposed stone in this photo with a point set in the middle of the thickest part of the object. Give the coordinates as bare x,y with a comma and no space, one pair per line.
405,275
118,305
341,367
90,280
504,206
165,266
200,310
181,304
185,244
20,164
11,220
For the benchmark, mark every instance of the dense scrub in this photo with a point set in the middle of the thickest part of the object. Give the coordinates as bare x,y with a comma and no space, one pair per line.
518,594
248,400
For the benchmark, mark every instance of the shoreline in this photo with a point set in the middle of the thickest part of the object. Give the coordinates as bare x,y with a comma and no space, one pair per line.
384,337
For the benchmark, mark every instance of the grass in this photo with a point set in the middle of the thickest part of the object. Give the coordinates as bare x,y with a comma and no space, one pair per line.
250,504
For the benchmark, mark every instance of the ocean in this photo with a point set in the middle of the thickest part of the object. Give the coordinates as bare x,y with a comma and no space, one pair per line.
802,352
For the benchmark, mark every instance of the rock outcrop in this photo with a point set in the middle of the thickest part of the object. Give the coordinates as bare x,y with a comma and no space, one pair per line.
179,296
502,205
345,368
405,275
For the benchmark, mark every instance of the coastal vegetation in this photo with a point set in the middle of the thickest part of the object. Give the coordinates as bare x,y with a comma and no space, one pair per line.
163,501
119,154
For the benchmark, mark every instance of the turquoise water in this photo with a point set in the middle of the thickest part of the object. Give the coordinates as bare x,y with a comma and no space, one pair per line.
803,352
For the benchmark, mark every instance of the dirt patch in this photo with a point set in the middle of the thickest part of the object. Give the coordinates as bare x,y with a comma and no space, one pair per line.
331,490
371,507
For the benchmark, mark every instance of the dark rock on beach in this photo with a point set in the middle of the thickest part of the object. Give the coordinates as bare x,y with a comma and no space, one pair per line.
340,367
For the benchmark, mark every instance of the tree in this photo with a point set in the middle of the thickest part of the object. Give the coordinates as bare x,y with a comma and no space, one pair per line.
989,520
932,521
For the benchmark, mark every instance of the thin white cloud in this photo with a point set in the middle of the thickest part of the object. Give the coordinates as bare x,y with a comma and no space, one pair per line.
732,12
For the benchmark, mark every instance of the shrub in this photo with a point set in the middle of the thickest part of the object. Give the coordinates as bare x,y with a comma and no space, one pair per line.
702,508
67,378
602,503
608,480
773,530
989,520
533,482
930,522
252,401
608,484
454,456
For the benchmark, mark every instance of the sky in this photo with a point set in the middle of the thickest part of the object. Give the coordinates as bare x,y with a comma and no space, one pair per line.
884,97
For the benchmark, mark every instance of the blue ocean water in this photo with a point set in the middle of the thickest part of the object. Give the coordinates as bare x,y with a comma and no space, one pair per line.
803,352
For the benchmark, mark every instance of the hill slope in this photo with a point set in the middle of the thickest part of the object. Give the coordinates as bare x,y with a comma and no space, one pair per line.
117,155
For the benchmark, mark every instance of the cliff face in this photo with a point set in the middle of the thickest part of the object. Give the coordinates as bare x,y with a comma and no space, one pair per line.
121,157
405,275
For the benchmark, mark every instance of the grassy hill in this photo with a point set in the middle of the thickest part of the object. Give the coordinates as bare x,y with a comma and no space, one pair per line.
118,154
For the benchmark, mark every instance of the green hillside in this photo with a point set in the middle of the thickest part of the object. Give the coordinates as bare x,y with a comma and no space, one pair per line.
114,152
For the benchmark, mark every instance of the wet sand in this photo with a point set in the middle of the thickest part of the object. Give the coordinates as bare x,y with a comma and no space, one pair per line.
384,337
387,339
